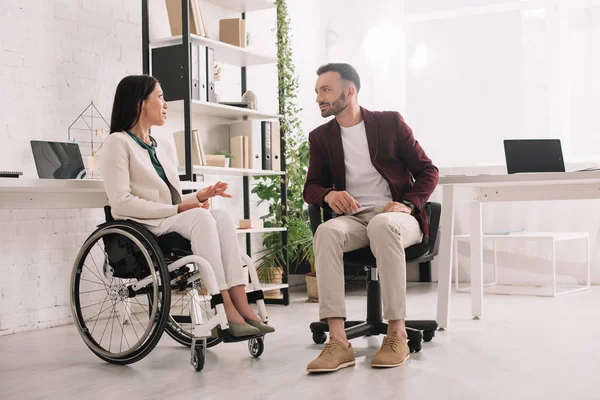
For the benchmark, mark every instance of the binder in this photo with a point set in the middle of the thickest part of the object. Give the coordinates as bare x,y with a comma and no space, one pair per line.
237,151
198,156
247,152
266,144
276,145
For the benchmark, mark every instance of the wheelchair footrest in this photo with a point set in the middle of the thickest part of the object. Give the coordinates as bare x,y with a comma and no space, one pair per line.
228,338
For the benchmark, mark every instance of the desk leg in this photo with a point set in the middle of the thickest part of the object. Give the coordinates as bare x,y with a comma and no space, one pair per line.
445,260
476,261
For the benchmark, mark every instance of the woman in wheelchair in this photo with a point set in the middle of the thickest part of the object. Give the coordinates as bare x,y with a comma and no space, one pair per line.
142,183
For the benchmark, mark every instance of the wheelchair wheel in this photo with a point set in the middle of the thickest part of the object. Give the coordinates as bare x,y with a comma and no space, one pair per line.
198,359
120,324
179,323
256,347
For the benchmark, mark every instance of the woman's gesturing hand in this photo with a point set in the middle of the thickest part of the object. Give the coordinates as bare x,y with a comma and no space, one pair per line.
218,189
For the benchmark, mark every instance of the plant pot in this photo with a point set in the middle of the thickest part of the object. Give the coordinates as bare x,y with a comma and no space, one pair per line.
312,290
277,280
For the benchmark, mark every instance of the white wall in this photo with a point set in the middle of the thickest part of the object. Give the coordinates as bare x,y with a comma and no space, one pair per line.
56,56
467,74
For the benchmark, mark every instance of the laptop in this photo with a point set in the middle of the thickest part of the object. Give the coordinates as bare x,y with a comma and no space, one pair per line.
57,160
533,155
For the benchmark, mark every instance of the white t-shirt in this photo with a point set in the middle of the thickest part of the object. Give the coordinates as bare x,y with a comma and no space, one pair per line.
363,182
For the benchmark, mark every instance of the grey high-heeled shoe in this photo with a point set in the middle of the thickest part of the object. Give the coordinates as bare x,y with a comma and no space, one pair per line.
241,330
261,326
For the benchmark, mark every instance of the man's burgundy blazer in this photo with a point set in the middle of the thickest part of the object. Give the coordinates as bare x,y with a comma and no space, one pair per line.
394,153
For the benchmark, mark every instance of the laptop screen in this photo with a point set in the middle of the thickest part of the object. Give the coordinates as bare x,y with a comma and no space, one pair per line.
533,155
57,160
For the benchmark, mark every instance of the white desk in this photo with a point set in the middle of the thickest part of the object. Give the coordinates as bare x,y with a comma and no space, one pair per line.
497,188
17,193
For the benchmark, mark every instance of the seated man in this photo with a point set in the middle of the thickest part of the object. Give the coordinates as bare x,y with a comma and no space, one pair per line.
362,164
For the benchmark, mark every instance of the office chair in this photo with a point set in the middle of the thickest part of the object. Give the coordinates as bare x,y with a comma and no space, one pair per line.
373,325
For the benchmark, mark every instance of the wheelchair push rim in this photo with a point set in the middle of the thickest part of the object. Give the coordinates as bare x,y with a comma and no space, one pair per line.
108,313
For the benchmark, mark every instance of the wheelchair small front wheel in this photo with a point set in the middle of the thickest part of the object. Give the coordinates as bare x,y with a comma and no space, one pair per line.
256,346
197,360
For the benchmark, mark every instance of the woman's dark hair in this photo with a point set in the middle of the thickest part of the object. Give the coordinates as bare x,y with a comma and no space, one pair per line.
127,106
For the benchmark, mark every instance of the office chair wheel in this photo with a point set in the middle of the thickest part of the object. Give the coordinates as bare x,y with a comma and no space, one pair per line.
256,346
197,360
414,346
428,336
319,337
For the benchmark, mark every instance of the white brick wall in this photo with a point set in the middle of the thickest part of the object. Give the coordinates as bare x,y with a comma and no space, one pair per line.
56,56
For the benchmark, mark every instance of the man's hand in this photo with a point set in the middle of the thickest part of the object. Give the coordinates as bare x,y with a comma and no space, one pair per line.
341,202
394,206
182,207
218,189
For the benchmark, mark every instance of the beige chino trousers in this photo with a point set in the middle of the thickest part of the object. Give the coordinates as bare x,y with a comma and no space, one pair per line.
388,234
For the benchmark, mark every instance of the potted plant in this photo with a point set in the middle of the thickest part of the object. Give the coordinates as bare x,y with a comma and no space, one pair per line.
228,157
300,253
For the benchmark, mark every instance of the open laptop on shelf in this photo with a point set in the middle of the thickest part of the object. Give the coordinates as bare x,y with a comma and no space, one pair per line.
57,160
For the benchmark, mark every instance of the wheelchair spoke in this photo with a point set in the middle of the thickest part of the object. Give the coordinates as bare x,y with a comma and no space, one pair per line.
91,305
104,331
112,326
93,273
89,319
92,291
125,305
94,261
122,334
97,283
106,298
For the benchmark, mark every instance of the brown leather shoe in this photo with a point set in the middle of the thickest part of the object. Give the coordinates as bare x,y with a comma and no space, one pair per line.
394,352
334,356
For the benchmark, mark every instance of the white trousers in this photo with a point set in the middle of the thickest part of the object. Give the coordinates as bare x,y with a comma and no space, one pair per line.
213,237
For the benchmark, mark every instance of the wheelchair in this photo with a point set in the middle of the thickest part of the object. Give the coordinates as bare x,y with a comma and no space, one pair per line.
129,286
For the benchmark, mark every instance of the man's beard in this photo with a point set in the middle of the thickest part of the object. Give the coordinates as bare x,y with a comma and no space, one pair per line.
336,107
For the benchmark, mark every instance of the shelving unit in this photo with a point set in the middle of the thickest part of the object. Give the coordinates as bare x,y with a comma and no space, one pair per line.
235,56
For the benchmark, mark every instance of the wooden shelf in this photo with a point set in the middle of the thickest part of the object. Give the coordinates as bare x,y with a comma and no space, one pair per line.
221,111
260,230
224,52
244,6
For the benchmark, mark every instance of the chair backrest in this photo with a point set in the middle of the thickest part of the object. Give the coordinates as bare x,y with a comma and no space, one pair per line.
432,210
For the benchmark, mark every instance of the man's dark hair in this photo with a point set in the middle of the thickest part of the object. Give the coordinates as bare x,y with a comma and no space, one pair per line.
346,71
